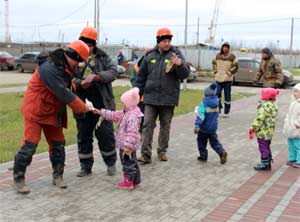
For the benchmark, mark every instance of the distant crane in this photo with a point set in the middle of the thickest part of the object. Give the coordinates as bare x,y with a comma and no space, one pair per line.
7,35
213,23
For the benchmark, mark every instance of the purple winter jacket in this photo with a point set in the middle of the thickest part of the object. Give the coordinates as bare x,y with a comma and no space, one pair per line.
129,121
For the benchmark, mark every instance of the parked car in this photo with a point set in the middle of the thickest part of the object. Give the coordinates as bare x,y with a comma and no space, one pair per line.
27,62
6,61
248,68
121,69
193,75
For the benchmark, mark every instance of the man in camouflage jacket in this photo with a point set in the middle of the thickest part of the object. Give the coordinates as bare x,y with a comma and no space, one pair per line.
270,70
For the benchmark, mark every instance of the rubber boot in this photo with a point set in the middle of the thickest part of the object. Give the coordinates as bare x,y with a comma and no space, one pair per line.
58,171
19,183
264,165
84,172
125,184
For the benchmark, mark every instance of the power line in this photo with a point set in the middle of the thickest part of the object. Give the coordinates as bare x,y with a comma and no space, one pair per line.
152,25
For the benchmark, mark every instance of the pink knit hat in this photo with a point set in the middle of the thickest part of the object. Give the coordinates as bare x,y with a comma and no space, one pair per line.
269,93
131,97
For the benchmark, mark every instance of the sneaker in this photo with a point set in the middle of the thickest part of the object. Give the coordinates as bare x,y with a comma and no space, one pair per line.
201,159
226,115
143,160
84,173
223,158
296,165
290,162
162,157
111,170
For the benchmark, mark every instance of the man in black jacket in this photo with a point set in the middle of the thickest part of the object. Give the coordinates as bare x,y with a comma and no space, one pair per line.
93,82
159,81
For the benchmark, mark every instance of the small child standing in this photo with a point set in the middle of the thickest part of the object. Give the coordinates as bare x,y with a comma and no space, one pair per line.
292,128
206,124
264,125
128,137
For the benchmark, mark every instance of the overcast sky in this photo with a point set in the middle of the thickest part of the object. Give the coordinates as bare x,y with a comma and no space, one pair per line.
136,21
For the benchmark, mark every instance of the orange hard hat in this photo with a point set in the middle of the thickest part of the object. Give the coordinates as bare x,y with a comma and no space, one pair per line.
163,32
81,49
89,33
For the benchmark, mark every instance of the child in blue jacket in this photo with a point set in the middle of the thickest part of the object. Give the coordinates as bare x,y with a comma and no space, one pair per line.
206,124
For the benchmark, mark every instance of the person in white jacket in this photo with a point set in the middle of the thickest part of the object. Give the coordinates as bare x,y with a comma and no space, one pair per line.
292,128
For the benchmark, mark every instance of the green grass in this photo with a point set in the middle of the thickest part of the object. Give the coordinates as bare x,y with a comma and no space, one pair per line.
11,121
295,71
12,85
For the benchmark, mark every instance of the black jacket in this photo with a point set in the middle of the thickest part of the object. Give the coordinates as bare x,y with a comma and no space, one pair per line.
157,86
99,93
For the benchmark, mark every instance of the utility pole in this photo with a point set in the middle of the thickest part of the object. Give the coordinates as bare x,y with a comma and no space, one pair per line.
198,24
7,35
291,43
97,18
95,12
185,39
98,21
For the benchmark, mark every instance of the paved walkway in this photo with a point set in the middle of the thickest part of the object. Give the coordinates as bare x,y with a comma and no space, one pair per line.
181,189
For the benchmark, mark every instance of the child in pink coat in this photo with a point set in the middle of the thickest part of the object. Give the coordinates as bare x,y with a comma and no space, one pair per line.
128,137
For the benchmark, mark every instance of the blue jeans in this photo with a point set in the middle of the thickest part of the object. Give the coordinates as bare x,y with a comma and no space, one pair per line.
227,94
294,149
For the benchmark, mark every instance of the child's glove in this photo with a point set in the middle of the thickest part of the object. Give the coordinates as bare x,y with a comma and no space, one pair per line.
251,134
196,130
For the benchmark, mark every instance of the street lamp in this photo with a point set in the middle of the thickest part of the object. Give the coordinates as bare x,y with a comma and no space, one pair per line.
185,39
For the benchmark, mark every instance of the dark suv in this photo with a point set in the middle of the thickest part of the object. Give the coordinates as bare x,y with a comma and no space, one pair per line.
27,62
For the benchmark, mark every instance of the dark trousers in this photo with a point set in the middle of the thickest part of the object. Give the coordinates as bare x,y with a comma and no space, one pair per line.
105,136
214,143
165,114
141,105
32,136
131,167
264,148
227,94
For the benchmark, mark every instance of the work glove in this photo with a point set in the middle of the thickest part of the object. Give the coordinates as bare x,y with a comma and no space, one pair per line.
169,67
88,80
89,105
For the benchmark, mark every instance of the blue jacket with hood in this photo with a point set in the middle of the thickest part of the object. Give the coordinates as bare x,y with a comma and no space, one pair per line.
207,115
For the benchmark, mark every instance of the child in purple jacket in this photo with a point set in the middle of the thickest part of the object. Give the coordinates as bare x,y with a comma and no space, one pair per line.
128,137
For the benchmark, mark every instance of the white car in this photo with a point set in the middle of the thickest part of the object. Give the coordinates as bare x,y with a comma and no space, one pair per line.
193,75
121,69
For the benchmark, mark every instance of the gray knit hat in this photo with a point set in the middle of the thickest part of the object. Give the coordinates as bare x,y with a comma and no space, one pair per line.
211,90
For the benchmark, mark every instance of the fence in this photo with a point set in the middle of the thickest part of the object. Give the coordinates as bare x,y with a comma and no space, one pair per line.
202,58
199,57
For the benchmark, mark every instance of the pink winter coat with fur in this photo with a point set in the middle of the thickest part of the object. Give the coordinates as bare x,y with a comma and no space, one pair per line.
128,121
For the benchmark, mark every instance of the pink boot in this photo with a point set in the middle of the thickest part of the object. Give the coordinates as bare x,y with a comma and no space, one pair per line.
125,184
